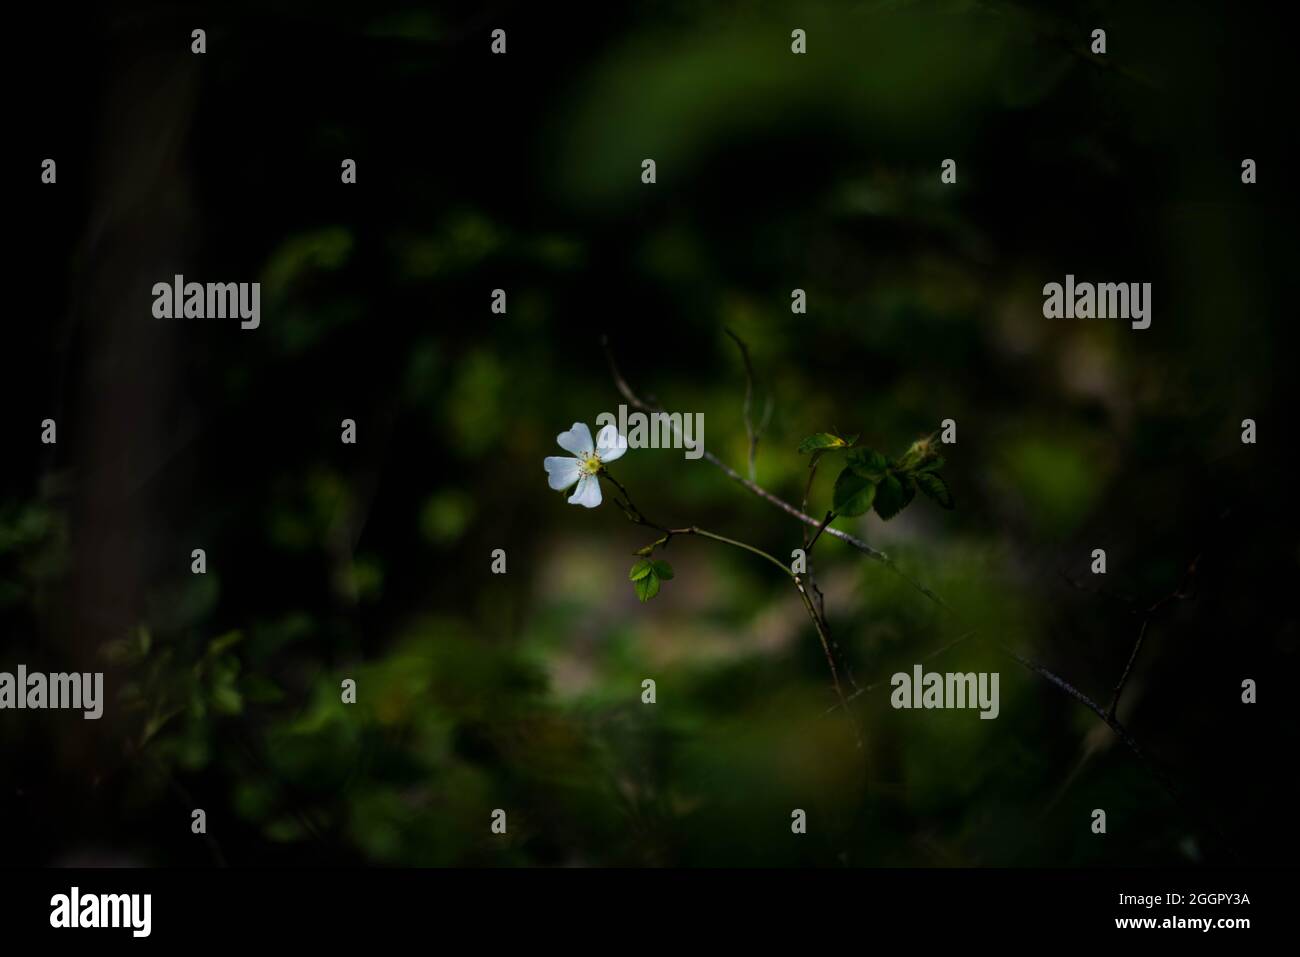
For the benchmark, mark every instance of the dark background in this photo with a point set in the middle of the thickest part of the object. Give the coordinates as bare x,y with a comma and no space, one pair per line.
522,691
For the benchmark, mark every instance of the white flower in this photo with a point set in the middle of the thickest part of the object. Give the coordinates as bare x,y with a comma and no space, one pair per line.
588,459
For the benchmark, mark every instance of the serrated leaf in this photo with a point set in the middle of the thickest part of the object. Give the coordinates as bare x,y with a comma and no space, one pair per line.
853,494
821,440
640,569
663,570
935,487
909,493
647,587
893,495
868,463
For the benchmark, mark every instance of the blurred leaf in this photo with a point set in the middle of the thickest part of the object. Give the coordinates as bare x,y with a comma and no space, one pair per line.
445,515
156,723
1056,479
663,570
222,642
640,569
327,248
226,699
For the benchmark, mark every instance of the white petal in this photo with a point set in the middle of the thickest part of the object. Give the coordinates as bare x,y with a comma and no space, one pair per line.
609,444
587,493
561,471
577,440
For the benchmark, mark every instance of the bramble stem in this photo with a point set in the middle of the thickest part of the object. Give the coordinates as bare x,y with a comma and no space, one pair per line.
637,517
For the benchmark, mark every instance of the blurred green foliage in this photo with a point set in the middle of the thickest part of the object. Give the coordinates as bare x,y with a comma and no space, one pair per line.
522,691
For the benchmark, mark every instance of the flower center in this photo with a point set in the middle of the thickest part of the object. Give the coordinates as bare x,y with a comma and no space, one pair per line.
591,463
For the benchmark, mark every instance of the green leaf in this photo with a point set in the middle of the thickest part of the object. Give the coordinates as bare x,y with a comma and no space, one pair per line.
853,494
909,492
222,642
822,440
868,463
663,570
640,569
935,487
893,495
646,587
933,465
227,699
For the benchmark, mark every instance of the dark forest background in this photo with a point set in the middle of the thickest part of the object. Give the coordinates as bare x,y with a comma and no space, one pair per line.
522,691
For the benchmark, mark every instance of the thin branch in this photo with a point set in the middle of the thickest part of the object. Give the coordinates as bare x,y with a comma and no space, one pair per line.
1123,734
1107,715
1114,596
1078,696
807,492
830,517
934,654
750,432
812,580
1178,594
636,516
1128,669
647,406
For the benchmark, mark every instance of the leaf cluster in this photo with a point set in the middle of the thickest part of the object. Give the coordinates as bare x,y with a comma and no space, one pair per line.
871,479
646,575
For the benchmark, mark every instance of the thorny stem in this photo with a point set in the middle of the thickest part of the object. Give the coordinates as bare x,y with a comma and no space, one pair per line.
1123,734
646,405
1178,594
1128,668
751,432
636,516
1106,715
830,517
812,578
